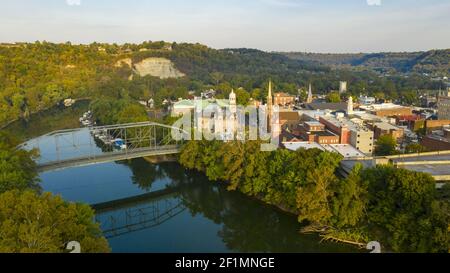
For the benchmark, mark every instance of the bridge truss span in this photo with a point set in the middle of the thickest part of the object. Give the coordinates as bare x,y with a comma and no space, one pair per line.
94,145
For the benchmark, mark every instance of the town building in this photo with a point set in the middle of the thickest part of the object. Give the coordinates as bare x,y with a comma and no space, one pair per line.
438,140
340,106
412,122
387,110
313,131
289,120
432,125
283,99
182,107
218,116
351,133
345,150
429,101
365,100
444,107
69,102
384,128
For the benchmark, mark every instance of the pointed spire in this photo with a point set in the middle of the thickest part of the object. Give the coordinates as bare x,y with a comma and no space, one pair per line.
270,89
310,94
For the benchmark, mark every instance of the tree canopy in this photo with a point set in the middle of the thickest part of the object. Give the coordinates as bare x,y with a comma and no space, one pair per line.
35,222
386,145
32,223
17,167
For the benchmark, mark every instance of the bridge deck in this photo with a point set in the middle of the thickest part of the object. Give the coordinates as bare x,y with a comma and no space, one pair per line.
109,157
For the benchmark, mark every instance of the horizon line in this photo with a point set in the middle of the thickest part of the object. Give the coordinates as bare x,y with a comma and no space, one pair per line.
226,48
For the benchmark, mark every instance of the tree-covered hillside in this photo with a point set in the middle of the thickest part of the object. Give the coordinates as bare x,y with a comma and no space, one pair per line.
37,76
436,62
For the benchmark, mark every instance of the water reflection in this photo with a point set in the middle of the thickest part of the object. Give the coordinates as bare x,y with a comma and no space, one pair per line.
144,174
212,219
244,224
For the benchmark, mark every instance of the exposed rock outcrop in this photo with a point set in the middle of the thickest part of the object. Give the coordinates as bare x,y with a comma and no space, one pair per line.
157,67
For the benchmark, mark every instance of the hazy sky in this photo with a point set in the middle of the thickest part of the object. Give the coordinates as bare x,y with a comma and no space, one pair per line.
272,25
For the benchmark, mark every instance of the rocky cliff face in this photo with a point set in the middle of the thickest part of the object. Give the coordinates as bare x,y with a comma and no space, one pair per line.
157,67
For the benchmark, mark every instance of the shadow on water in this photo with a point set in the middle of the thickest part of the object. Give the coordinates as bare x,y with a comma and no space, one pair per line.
241,223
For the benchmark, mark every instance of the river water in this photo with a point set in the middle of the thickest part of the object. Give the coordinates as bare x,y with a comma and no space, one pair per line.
163,208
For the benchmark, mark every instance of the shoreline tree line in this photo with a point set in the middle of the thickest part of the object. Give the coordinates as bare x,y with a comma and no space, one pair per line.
400,208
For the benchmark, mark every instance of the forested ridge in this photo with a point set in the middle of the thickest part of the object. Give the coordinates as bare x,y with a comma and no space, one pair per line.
435,62
37,76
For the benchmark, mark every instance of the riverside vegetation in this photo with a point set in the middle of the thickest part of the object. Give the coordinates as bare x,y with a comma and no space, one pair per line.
36,222
401,209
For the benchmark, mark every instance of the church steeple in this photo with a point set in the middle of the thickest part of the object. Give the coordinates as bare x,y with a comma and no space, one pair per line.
310,95
269,106
270,98
233,102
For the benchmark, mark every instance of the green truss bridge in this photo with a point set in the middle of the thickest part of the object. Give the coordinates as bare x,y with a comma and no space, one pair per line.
102,144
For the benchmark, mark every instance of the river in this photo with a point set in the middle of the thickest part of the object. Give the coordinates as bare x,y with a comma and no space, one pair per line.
163,208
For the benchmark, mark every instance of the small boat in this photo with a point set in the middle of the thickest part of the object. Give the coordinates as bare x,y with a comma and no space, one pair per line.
120,143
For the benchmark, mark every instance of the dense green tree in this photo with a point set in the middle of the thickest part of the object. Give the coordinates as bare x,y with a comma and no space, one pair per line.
217,77
17,168
350,201
233,156
191,156
314,198
385,145
30,223
110,111
334,97
256,179
403,212
415,148
242,97
132,113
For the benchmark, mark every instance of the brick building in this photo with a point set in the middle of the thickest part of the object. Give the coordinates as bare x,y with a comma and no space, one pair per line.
435,143
351,133
316,132
384,128
432,125
289,120
283,99
387,110
444,106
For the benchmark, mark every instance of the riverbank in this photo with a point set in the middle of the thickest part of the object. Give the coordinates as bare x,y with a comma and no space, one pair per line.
53,119
362,206
326,233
